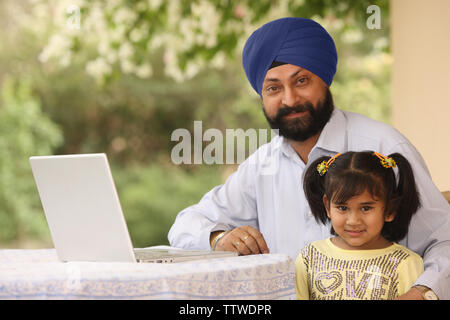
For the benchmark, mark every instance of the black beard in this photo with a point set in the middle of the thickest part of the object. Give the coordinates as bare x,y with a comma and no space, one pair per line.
303,128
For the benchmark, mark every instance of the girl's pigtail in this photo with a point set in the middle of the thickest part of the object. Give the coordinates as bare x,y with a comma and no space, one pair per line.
313,185
407,196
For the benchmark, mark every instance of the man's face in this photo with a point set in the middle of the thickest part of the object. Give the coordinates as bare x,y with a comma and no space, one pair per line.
296,101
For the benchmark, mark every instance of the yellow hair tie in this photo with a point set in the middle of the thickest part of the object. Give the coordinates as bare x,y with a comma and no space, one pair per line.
323,167
387,162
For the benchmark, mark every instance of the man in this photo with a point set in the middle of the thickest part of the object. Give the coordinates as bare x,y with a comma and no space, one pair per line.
291,63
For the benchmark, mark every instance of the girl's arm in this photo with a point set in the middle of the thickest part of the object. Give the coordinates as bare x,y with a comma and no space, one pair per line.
301,278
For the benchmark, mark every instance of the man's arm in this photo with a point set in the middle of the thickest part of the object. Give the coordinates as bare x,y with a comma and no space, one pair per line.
429,231
225,207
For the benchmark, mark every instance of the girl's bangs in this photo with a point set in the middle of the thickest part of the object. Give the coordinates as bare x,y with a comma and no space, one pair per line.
349,185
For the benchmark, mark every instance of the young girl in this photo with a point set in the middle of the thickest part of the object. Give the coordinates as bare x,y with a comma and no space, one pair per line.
369,210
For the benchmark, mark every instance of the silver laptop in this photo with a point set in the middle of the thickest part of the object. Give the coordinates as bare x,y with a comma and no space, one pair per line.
84,214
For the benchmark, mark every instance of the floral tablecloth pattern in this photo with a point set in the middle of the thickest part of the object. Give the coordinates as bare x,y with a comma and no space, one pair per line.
37,274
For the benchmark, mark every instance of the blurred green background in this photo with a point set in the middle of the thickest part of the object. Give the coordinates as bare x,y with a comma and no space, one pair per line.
120,76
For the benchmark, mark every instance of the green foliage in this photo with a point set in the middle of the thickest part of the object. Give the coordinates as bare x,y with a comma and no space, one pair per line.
167,63
152,196
194,34
24,131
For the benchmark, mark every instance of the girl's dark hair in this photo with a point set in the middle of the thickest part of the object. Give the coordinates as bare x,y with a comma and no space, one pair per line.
351,174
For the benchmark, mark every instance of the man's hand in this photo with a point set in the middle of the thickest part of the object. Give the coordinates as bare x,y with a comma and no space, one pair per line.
411,294
244,240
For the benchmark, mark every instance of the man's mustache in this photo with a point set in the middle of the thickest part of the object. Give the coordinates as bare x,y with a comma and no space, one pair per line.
285,110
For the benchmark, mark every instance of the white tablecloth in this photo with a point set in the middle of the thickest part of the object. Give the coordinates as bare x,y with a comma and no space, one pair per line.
37,274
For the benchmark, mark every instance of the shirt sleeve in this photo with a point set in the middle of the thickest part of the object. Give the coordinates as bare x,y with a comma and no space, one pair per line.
223,208
408,272
301,278
429,231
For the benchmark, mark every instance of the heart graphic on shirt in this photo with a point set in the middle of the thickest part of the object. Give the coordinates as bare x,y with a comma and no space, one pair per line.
327,282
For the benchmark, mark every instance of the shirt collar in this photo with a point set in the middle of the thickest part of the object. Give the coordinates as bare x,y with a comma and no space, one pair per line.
332,139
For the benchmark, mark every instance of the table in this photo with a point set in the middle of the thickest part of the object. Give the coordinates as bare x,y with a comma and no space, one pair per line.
37,274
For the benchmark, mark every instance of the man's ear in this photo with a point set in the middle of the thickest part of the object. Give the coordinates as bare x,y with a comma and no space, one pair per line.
326,204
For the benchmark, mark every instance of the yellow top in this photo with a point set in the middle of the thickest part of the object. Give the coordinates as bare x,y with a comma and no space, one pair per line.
327,272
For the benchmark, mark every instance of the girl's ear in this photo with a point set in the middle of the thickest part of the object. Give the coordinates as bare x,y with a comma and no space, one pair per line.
326,204
389,217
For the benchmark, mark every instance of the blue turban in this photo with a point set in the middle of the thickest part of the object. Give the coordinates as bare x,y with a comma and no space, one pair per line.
298,41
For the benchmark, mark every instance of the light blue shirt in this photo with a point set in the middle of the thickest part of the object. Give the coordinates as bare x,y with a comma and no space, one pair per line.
266,193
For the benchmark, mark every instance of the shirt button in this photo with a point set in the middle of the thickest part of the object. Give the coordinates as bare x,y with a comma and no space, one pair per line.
310,213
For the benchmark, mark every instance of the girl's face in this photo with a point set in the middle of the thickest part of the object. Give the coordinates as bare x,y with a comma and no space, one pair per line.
358,222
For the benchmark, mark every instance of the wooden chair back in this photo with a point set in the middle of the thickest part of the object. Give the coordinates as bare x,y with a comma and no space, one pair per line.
446,195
